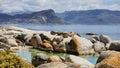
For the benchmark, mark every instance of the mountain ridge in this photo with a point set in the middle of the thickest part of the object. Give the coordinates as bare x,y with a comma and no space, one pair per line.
89,17
97,16
40,17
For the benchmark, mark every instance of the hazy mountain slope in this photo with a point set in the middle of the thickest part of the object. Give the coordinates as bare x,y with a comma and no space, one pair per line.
100,16
41,17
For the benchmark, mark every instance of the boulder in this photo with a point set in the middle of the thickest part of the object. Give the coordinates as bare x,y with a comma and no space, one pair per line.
65,35
54,59
78,44
112,61
12,42
53,33
114,45
105,39
72,65
36,41
39,59
90,33
3,39
45,37
21,36
79,61
99,46
27,38
4,45
105,54
53,65
74,46
46,47
74,33
59,44
94,38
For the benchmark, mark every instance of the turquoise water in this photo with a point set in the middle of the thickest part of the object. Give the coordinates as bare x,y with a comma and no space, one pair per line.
111,30
24,53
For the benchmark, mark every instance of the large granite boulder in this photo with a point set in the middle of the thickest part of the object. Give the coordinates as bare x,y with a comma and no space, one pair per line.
36,41
105,39
79,61
114,45
39,59
79,44
105,54
53,65
112,61
99,46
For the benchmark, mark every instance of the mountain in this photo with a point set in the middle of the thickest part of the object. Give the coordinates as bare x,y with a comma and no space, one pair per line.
98,16
41,17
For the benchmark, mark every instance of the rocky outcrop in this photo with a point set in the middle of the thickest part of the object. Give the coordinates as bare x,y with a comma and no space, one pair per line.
111,61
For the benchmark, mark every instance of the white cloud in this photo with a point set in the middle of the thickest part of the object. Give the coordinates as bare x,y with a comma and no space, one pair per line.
9,6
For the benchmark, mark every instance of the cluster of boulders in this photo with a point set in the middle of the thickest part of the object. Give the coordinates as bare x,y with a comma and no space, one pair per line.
47,40
64,42
71,61
57,41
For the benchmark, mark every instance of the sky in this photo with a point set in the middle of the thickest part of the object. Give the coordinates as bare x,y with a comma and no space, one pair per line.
10,6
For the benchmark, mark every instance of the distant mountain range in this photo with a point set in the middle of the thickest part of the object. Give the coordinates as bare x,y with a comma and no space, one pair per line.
41,17
90,17
98,16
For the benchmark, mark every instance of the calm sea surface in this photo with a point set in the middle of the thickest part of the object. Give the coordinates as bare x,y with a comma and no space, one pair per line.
112,31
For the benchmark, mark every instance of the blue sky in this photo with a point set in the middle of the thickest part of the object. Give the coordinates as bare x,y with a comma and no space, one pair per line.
8,6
